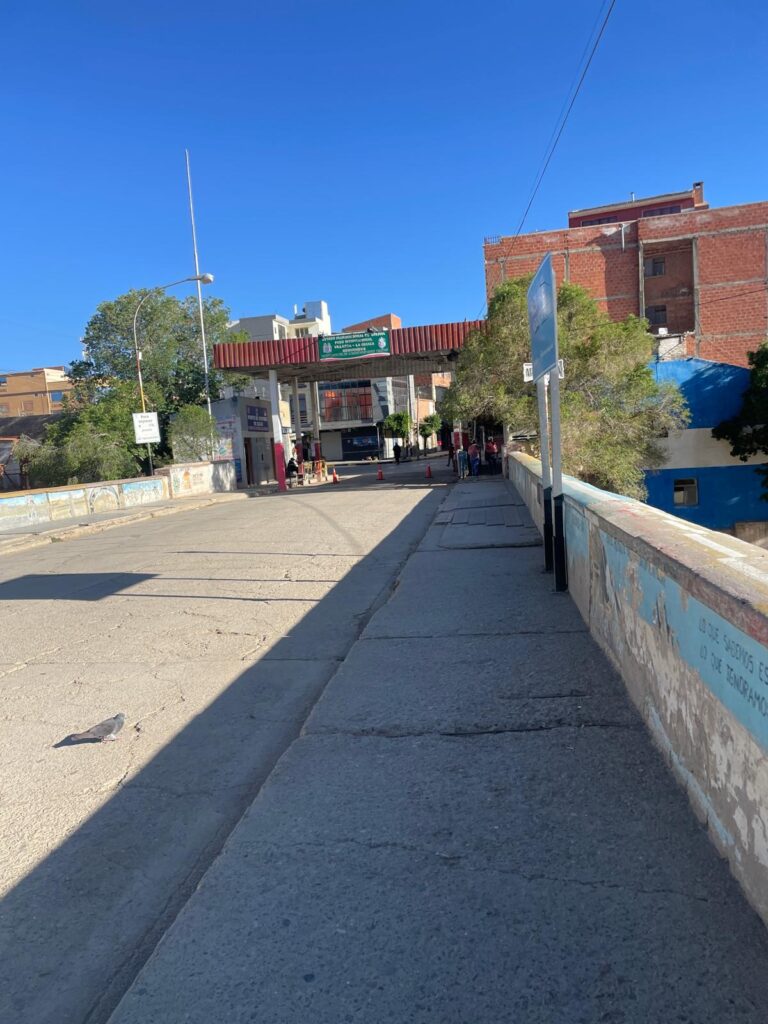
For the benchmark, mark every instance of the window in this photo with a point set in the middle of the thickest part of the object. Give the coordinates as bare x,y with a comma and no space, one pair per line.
591,221
57,396
3,382
656,315
27,406
3,410
655,266
347,400
660,211
686,492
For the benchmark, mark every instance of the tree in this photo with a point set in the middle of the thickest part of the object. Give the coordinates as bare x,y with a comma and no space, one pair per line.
168,331
747,432
92,441
94,438
429,426
192,434
612,410
398,424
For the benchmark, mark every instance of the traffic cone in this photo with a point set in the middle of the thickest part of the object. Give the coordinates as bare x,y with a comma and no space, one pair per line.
428,474
380,474
335,478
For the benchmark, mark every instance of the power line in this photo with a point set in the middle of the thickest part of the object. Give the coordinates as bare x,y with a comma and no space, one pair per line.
564,120
565,110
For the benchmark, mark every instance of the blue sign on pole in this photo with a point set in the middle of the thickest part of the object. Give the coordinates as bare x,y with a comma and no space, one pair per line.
542,318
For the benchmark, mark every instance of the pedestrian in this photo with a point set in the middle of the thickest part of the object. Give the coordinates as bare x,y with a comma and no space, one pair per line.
291,470
474,458
396,450
491,455
451,453
463,462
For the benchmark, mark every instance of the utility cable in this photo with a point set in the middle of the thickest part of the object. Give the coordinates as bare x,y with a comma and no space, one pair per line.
564,114
564,120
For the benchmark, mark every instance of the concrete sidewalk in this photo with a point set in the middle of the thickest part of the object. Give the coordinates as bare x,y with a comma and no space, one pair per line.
473,828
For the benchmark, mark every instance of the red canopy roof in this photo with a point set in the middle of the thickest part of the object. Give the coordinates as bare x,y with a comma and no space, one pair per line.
413,350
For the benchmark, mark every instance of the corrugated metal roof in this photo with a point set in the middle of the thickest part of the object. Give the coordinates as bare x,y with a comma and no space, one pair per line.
301,355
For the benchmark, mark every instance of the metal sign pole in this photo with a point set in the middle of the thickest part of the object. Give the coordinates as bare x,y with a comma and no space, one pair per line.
545,369
561,568
546,477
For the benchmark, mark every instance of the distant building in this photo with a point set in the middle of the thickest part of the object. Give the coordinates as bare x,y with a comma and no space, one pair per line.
314,319
701,481
350,411
38,392
11,429
699,275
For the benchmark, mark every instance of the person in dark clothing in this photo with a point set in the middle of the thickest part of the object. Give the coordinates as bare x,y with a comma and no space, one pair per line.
291,470
451,453
396,451
491,454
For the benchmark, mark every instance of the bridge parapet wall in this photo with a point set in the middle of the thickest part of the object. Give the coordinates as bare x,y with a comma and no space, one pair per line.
682,612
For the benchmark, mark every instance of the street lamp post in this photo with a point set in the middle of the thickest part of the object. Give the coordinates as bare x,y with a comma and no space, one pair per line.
201,279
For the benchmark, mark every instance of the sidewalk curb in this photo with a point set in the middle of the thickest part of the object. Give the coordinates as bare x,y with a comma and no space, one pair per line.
11,545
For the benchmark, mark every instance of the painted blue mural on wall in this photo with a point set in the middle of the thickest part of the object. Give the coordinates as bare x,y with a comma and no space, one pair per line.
732,665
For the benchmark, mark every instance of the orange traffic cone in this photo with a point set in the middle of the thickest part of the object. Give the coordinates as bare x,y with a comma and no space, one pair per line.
428,474
335,477
380,474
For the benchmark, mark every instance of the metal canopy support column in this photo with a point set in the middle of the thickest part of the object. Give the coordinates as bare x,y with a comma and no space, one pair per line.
297,417
277,431
297,429
316,420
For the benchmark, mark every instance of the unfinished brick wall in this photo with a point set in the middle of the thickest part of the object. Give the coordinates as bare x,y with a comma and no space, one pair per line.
595,257
728,303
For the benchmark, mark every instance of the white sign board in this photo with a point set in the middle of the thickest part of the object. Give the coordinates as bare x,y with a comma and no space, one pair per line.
146,429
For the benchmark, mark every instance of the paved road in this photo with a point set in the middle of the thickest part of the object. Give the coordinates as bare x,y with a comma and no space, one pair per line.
473,828
214,631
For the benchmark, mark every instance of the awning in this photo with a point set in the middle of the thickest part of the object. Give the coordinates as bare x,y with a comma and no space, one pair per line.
413,350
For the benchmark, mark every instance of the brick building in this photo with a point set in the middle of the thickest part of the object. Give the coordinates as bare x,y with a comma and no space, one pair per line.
699,275
37,392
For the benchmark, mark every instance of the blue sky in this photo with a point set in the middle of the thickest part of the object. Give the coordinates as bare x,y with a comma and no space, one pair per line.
351,151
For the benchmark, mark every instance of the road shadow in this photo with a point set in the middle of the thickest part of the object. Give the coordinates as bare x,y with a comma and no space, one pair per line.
75,931
71,586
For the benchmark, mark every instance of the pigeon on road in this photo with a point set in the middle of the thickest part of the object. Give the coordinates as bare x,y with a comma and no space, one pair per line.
106,730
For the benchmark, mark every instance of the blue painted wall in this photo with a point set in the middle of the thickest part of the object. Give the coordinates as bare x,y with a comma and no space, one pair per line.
727,495
713,391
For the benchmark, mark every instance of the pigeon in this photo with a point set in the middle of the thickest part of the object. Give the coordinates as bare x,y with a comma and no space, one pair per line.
106,730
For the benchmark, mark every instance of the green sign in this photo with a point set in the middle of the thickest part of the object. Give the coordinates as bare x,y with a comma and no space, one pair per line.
355,345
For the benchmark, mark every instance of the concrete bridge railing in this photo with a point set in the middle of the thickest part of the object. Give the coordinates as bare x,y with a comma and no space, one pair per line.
22,509
682,612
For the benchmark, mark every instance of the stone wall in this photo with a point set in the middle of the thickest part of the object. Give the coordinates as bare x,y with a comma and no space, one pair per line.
682,612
